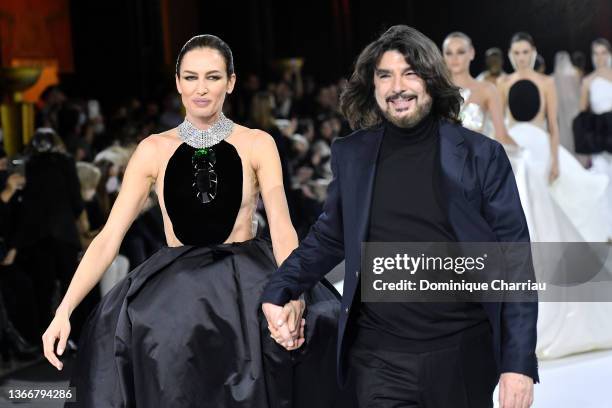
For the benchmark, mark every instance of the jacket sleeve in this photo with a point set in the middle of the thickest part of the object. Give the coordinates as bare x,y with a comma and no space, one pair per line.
320,251
504,213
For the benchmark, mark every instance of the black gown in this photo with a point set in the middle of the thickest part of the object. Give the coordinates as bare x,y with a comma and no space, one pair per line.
185,328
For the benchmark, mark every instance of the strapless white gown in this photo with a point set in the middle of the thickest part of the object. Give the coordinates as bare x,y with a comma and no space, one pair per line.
580,194
563,327
474,118
600,100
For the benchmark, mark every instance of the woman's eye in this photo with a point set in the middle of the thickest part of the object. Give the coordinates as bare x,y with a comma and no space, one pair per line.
190,78
214,78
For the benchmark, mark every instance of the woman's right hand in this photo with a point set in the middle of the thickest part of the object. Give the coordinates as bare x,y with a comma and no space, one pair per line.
59,329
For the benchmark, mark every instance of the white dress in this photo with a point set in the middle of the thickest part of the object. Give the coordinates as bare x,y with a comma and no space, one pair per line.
574,211
579,193
600,100
545,219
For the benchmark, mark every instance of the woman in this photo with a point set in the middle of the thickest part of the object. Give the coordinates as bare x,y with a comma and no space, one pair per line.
482,112
184,328
532,101
593,127
481,100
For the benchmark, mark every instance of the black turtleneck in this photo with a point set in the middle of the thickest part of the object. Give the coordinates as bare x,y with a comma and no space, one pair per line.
409,157
409,205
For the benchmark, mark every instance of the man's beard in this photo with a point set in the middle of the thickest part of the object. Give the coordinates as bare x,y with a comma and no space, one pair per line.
421,110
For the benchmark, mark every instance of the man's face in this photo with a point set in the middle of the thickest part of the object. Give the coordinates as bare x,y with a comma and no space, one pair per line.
494,63
400,93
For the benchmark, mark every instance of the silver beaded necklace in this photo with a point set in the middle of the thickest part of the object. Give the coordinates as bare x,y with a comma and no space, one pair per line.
201,139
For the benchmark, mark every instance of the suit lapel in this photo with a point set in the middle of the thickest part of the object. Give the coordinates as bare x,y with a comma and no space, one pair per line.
453,154
368,156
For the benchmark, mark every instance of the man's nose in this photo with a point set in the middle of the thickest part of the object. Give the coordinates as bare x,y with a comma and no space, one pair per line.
398,84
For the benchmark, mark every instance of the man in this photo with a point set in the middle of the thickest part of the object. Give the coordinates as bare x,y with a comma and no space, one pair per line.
412,173
494,60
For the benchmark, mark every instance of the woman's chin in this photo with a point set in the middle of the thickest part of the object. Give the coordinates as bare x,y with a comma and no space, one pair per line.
201,113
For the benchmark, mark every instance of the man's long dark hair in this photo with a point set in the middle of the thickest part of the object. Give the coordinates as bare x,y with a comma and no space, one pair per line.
358,103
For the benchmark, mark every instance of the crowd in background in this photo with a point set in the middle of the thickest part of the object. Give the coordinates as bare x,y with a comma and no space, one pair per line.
58,192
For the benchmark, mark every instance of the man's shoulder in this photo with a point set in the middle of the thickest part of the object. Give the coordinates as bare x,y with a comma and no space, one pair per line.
473,140
354,139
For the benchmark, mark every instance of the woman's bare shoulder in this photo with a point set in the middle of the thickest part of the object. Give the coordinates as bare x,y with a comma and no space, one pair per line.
154,149
163,139
251,138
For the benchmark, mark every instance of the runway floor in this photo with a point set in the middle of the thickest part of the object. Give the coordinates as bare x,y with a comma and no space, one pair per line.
581,380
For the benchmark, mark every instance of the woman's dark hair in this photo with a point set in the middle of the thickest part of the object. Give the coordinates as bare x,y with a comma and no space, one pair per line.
603,42
357,101
207,41
522,36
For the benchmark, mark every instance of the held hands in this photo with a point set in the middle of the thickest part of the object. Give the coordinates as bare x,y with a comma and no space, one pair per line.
58,329
285,323
515,391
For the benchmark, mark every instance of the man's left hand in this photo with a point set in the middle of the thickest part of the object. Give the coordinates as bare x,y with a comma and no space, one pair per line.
515,391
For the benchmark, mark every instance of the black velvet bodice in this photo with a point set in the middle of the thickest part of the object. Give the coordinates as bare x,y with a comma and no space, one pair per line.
195,223
524,100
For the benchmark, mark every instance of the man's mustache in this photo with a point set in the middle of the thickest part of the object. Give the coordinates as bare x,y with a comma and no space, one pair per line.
402,95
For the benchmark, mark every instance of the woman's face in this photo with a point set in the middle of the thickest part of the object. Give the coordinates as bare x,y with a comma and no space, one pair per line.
458,54
522,55
203,83
601,56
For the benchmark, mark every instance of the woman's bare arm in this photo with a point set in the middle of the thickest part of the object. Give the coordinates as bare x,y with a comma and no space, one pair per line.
584,95
267,165
266,162
550,96
495,107
139,176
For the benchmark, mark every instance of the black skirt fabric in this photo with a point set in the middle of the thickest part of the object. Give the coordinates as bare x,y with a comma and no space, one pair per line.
593,133
185,329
